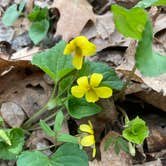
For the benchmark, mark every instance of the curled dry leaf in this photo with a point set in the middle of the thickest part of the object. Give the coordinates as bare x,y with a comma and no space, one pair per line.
156,83
153,98
74,15
160,23
23,85
109,157
12,114
38,140
103,33
6,33
151,163
157,137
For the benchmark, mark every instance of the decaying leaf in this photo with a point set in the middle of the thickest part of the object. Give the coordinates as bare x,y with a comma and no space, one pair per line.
109,157
160,23
23,85
151,163
157,137
103,33
6,33
74,15
12,114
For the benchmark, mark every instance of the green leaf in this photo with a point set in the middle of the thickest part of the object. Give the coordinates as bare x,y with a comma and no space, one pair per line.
67,138
10,152
54,62
46,128
123,144
149,62
1,121
38,30
33,158
11,14
129,22
148,3
109,142
69,155
136,131
116,147
110,78
58,121
160,3
79,108
38,14
4,137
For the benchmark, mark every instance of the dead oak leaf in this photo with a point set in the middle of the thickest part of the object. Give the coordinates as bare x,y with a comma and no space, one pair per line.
74,15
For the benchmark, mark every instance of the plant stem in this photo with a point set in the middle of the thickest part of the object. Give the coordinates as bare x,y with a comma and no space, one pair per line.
121,94
46,148
40,111
34,117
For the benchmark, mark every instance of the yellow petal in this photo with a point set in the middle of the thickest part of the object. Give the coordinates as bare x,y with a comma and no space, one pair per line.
95,79
77,91
83,82
77,61
86,128
88,140
69,48
91,96
89,49
94,151
103,92
86,47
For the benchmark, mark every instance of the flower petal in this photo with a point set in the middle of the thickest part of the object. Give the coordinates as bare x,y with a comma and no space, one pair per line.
103,92
94,151
91,96
83,82
70,47
88,140
89,49
95,79
86,47
77,91
86,128
77,61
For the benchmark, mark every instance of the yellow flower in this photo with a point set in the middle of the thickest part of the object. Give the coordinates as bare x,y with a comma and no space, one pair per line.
88,138
91,89
80,47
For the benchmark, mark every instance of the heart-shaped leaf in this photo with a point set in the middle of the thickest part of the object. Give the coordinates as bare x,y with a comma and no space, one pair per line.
149,62
54,62
9,152
79,108
129,22
69,155
110,77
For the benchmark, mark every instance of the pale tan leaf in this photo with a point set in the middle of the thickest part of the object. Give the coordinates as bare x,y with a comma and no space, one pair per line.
74,15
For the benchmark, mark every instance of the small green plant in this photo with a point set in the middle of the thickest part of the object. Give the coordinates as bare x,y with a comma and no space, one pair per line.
39,18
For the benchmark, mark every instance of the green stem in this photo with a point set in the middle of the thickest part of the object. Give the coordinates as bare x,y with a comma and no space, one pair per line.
46,148
34,117
40,111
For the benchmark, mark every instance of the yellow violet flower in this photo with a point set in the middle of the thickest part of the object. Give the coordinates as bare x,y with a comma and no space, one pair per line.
79,47
90,88
88,138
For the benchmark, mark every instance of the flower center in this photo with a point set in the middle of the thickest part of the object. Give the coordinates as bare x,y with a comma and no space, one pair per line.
78,51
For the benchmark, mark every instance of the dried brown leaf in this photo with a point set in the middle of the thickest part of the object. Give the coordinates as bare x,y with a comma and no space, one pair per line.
12,114
74,15
109,157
